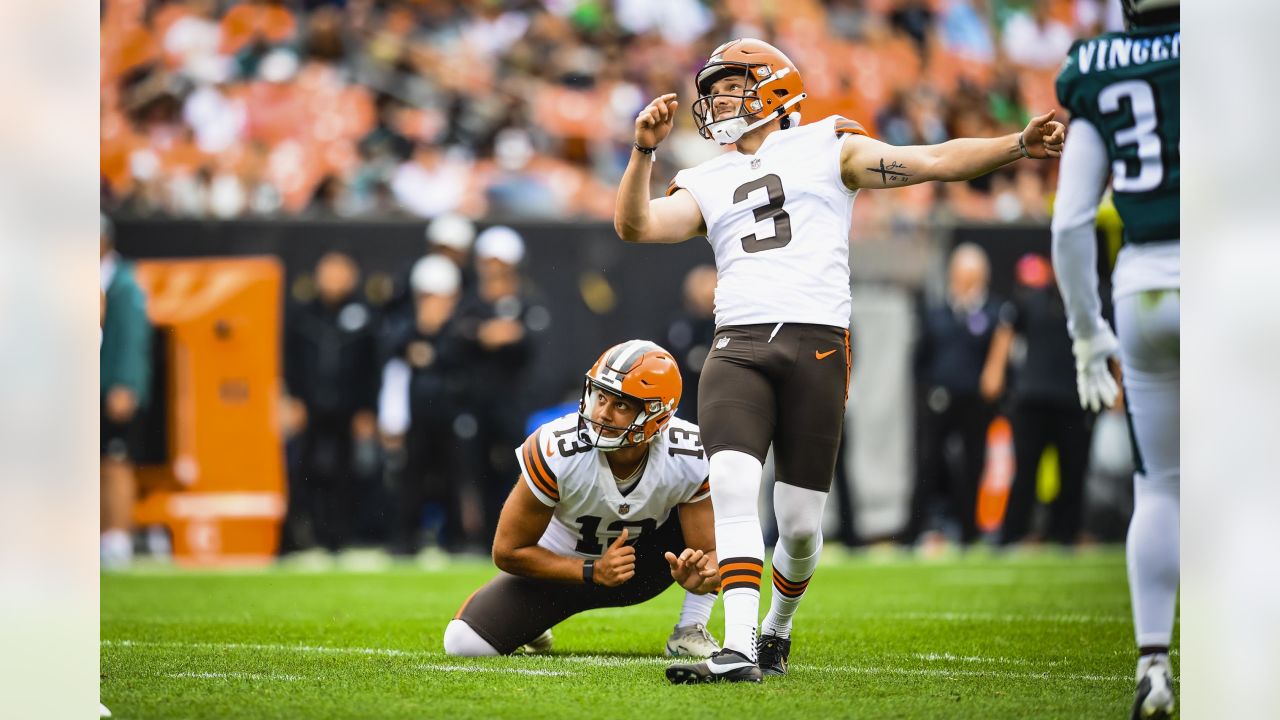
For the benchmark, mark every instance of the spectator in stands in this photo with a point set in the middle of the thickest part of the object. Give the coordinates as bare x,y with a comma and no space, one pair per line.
124,391
499,322
331,372
295,84
1034,39
418,405
689,335
1046,408
952,350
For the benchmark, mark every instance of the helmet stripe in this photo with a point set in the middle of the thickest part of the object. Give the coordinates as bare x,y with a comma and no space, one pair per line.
636,349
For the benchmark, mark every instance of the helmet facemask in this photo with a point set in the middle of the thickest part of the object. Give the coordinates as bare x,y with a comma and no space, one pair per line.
751,107
592,432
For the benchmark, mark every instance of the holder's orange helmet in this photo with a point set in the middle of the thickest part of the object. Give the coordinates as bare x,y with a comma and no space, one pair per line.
638,370
771,88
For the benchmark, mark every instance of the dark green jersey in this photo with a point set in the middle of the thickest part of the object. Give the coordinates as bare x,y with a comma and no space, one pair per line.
1126,85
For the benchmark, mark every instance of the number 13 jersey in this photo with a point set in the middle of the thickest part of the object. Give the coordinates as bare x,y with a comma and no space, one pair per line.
778,222
590,509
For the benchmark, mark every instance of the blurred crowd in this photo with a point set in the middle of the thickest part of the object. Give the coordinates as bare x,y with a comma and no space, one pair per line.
520,108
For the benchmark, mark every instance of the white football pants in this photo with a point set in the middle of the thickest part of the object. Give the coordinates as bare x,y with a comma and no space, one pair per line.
1147,324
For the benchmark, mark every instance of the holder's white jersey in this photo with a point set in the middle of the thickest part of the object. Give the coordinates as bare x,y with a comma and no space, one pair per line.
778,222
590,510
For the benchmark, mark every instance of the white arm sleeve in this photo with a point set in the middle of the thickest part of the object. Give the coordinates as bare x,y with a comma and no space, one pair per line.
1082,177
393,398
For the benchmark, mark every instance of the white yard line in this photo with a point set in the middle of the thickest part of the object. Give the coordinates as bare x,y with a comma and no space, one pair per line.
234,676
948,657
625,661
481,669
1069,618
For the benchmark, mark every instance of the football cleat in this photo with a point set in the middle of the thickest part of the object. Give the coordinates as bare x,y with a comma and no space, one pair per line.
691,641
540,645
723,666
773,652
1154,698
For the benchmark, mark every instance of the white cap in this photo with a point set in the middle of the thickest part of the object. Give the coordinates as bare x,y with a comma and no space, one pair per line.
435,275
278,66
501,243
451,230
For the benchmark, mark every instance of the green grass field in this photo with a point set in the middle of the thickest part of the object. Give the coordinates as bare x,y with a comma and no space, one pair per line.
1028,636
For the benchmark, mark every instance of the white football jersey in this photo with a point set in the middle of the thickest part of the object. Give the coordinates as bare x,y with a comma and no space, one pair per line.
590,510
778,222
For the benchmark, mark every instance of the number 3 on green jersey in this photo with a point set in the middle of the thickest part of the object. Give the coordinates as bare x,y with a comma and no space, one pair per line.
1126,85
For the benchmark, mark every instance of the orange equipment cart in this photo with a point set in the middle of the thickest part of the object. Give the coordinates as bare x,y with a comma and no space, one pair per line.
221,491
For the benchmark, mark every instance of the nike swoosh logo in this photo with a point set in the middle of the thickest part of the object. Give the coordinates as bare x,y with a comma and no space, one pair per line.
720,668
819,355
551,450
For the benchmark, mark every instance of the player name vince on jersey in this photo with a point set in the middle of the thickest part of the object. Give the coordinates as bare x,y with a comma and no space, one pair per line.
1111,53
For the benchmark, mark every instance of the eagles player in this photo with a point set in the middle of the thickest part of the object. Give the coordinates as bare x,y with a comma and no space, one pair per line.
612,510
1122,92
776,210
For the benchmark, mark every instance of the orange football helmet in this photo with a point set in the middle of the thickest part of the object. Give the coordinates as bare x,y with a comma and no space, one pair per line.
638,370
771,88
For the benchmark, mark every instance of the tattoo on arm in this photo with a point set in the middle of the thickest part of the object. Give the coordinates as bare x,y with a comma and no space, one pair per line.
893,172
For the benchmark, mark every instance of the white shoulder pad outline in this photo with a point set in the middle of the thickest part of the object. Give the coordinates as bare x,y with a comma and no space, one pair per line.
541,460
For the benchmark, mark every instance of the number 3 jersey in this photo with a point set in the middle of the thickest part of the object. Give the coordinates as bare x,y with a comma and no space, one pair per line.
1126,86
778,222
590,509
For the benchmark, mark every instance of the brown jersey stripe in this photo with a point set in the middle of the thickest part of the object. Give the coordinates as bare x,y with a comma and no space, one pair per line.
541,462
742,559
726,574
672,188
547,488
845,126
704,487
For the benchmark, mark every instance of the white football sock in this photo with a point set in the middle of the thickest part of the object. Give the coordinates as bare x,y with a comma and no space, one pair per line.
1152,552
735,496
461,640
795,557
697,608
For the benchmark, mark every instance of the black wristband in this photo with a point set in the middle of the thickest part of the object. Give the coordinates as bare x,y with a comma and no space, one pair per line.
644,150
589,571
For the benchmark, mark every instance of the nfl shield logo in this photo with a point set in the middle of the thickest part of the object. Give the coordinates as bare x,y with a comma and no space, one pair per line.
624,508
755,163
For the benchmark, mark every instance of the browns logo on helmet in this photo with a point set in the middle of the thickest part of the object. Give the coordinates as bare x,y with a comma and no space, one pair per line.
772,87
638,370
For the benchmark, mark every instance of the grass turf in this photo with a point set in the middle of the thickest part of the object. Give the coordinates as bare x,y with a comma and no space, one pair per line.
1044,636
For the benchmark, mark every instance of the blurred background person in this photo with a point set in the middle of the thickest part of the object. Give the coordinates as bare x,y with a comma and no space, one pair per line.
330,366
449,236
1032,341
952,350
124,384
419,401
689,334
496,321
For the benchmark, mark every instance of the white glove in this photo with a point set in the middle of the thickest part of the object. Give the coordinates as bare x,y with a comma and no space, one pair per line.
1093,376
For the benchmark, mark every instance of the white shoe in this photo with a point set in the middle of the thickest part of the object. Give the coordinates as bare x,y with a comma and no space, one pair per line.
1154,698
540,645
691,641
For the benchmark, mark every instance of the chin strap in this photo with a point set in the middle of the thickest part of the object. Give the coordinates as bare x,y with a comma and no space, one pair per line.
731,133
